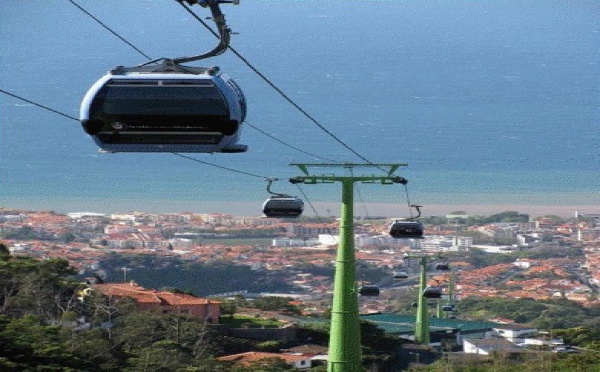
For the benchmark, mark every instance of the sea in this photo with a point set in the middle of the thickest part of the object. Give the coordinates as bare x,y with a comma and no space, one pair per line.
492,104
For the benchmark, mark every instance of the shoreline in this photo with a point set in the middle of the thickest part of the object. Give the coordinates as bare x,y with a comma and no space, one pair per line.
324,209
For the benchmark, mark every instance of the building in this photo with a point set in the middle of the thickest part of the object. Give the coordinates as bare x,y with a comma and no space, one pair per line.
163,302
489,345
442,329
514,332
462,242
297,360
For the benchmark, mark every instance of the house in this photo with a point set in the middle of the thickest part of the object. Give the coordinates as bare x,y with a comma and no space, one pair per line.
486,346
298,361
514,332
163,302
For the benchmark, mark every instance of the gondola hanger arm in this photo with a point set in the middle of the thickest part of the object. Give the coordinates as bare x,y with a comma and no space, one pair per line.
223,31
270,181
418,208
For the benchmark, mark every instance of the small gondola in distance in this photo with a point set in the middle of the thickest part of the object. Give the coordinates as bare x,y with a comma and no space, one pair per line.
442,266
283,206
165,108
406,229
369,290
399,275
432,292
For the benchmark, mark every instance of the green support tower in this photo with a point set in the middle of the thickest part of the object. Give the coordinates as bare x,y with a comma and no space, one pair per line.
439,312
344,340
422,321
451,300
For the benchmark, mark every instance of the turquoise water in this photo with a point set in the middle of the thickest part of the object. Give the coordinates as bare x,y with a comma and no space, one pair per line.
489,102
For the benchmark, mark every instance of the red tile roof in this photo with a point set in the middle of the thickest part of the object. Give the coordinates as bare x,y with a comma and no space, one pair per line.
148,296
252,356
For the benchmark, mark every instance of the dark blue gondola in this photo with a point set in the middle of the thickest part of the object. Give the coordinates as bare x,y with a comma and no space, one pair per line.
448,308
432,292
442,266
407,228
165,106
369,290
400,275
281,205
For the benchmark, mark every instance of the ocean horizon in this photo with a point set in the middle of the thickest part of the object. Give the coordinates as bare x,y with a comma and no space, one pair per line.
492,104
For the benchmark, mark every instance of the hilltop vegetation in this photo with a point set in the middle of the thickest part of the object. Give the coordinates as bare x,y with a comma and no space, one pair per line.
194,277
542,314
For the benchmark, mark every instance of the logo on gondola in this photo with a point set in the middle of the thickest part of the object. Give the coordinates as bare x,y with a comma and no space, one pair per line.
118,126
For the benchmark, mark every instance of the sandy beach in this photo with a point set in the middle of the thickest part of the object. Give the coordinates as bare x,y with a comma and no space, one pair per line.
323,209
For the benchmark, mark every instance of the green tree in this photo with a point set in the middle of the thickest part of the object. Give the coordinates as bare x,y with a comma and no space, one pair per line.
228,307
42,288
269,346
28,344
480,258
46,290
4,252
164,355
274,303
95,348
509,216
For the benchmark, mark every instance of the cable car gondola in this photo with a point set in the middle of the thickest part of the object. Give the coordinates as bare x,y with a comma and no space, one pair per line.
407,228
400,275
432,292
369,290
165,106
171,108
442,266
282,205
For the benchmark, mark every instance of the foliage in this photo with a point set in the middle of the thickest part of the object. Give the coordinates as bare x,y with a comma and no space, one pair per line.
507,217
40,288
530,362
585,336
542,314
274,303
4,252
269,346
193,277
551,251
27,343
228,307
239,321
480,258
376,343
22,233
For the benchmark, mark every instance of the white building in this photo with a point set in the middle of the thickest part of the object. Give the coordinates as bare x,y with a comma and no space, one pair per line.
288,242
80,215
486,346
463,242
515,332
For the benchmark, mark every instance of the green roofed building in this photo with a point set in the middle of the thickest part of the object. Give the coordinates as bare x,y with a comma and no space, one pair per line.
442,329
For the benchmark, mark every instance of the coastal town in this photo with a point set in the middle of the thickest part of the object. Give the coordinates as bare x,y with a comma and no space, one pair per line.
84,239
288,264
